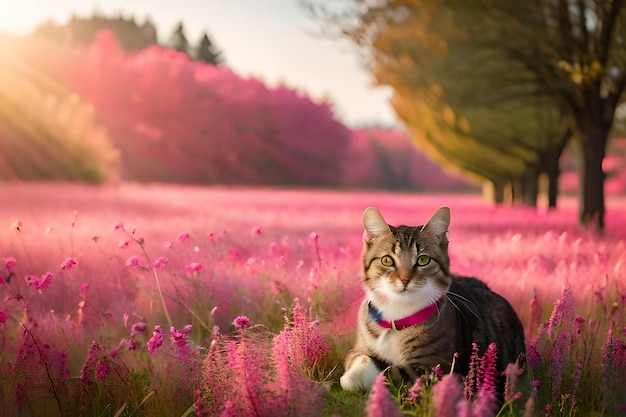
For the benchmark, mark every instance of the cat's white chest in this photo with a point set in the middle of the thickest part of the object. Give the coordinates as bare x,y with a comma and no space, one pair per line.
388,347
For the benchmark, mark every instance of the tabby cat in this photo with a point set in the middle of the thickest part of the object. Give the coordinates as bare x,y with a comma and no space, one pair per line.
417,315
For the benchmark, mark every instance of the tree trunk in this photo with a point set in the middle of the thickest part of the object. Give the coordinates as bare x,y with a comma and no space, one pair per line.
552,170
493,191
591,203
530,187
517,191
498,192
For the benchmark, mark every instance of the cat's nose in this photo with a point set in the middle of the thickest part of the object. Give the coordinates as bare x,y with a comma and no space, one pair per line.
405,278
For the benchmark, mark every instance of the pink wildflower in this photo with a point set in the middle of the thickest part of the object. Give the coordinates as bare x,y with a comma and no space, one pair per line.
167,244
415,392
88,368
118,226
532,355
39,283
3,317
282,364
9,263
380,402
563,310
183,236
448,397
471,378
512,373
241,322
535,315
306,342
487,371
485,405
438,372
160,262
558,356
256,230
101,370
179,337
314,237
138,328
193,267
131,345
69,263
156,340
123,244
132,261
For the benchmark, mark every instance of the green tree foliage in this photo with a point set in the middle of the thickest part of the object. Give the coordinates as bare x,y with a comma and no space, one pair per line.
551,67
575,51
457,100
48,133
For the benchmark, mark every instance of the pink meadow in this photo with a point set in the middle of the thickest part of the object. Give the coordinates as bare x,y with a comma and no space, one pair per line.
180,301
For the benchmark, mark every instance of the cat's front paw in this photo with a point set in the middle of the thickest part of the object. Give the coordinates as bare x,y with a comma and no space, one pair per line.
360,372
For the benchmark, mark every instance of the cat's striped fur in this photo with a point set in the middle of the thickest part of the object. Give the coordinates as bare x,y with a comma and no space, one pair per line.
466,310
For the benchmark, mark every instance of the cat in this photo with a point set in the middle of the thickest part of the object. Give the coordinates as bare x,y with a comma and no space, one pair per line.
416,314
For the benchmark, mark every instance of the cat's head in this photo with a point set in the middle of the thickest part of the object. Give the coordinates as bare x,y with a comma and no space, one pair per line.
406,265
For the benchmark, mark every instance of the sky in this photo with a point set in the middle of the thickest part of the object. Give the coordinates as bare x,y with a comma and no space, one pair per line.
270,39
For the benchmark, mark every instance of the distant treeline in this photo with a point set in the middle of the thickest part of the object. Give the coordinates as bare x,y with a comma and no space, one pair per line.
169,118
132,35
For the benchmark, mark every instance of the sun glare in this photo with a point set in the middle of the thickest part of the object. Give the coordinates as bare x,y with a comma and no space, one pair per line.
21,17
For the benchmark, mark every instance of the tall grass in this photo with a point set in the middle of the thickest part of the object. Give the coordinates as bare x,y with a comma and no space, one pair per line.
157,301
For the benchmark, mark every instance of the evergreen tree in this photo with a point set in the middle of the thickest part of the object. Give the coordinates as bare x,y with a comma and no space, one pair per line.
178,39
207,52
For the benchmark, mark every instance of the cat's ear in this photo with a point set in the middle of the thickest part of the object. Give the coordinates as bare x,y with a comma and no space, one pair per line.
438,224
374,223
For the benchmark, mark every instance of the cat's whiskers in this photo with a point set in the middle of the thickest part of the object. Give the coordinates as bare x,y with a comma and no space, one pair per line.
457,308
466,302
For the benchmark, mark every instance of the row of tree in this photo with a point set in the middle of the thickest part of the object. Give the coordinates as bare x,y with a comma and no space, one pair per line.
132,36
497,88
173,119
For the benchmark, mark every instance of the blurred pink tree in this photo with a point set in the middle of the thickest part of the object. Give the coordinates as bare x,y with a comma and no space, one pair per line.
177,120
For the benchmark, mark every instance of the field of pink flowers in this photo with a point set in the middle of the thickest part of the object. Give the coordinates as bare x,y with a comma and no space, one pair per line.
179,301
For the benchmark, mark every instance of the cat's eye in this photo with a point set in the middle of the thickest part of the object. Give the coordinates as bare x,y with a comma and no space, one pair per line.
423,260
386,260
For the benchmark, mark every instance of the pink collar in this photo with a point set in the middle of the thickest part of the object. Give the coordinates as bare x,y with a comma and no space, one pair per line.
416,318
